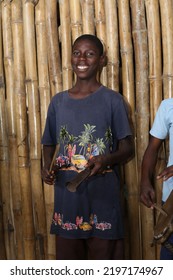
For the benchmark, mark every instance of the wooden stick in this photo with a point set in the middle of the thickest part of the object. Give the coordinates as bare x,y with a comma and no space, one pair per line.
158,208
54,157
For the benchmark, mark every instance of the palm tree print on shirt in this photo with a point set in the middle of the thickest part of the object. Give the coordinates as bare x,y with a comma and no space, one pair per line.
88,146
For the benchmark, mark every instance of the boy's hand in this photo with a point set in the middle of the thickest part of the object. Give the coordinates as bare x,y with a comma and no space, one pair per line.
97,164
147,195
166,173
48,176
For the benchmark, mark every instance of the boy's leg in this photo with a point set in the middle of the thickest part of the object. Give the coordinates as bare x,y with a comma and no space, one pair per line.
102,249
70,249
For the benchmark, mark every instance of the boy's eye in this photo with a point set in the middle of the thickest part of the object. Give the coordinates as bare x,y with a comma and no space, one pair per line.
90,54
76,53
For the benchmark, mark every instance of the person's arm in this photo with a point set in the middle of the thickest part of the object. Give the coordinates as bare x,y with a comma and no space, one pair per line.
47,176
124,152
147,193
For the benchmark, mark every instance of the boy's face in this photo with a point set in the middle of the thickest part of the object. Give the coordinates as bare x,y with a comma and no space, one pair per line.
86,59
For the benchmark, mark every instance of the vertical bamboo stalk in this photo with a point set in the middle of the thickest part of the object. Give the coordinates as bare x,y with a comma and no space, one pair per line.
3,129
53,46
88,16
166,8
100,23
126,51
8,227
27,238
44,92
76,22
13,186
34,127
142,110
42,61
76,19
112,43
155,74
155,58
16,184
65,43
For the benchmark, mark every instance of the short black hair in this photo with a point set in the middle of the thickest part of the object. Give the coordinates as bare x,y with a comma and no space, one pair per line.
94,39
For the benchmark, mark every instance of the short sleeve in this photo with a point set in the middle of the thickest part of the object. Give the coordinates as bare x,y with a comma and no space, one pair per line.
49,135
121,126
160,127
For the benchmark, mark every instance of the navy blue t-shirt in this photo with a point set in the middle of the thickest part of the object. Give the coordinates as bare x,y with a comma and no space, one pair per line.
85,128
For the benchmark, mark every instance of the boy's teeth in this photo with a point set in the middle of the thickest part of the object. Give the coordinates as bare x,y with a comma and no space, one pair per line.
82,67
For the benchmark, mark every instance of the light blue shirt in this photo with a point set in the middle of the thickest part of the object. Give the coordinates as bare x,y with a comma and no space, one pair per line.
161,129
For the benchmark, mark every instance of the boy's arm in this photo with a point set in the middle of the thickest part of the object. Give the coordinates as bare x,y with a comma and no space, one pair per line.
48,153
147,193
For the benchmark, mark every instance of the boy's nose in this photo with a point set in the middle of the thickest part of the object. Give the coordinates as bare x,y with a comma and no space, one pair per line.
82,56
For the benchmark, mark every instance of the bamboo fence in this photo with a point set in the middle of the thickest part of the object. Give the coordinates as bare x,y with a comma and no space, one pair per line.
35,49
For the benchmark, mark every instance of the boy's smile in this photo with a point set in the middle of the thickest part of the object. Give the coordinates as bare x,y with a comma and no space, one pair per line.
82,67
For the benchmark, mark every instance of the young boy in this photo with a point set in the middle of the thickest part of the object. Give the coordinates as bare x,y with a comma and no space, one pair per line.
90,123
162,127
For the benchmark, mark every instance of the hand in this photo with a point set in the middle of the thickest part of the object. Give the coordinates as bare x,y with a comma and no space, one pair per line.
166,173
97,164
147,195
48,177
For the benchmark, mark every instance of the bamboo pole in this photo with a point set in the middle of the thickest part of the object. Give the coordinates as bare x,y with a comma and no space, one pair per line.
34,128
44,92
76,19
42,61
76,22
155,56
112,43
166,8
14,168
100,23
128,90
142,111
27,238
88,16
13,182
65,43
3,255
8,225
155,76
53,46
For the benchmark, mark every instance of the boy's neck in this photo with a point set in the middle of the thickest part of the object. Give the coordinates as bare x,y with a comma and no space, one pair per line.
83,89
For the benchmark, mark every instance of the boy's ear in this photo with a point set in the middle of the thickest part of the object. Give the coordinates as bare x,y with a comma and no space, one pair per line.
103,60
